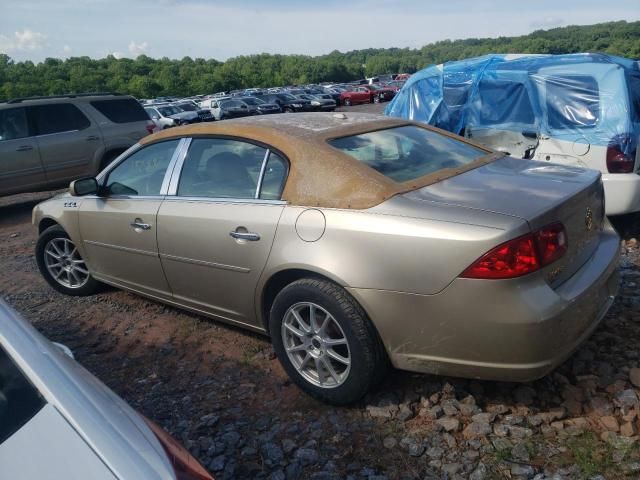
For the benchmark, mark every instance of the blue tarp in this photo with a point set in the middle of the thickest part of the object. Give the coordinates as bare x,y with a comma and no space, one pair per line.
585,98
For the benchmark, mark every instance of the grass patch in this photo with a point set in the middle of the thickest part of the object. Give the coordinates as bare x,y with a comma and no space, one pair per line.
591,455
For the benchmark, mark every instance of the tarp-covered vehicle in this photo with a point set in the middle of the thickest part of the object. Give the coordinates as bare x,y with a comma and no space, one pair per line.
578,109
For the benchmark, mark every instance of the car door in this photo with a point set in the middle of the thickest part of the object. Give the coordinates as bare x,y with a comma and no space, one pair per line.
118,228
20,167
68,141
216,228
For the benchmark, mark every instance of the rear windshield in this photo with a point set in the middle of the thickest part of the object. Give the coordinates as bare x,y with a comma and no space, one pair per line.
572,101
19,400
121,110
409,152
634,96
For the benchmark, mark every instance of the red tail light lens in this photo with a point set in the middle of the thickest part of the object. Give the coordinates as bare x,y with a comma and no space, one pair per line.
512,259
522,255
184,465
551,242
617,160
150,127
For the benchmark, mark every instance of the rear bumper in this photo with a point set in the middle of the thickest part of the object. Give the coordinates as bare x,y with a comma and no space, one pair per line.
622,193
510,330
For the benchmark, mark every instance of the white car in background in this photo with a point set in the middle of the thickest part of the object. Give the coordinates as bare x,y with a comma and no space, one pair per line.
57,421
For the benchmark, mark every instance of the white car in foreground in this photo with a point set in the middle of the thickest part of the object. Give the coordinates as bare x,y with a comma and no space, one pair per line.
57,421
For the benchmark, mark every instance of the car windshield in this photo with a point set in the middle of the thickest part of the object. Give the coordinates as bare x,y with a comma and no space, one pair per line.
230,103
409,152
168,111
187,107
286,96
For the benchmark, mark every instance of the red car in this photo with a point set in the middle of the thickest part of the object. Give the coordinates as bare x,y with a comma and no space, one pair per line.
356,95
394,85
379,93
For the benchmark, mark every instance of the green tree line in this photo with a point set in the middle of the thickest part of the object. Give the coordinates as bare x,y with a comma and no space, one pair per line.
146,77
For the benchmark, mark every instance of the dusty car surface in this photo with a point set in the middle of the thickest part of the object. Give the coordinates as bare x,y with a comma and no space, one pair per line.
59,421
354,241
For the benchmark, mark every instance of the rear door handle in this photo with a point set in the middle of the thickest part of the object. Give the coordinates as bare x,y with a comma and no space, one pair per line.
139,224
250,236
91,138
24,148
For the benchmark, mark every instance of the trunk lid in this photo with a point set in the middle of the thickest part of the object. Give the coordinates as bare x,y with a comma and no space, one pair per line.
539,193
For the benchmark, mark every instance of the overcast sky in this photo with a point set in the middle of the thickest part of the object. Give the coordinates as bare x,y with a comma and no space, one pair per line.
36,29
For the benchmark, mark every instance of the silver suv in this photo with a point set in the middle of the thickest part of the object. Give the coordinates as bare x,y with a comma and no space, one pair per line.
45,142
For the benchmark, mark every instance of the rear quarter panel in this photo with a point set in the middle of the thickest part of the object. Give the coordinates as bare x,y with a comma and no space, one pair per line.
375,249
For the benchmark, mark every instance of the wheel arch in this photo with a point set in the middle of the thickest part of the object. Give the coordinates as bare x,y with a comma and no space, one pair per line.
45,223
280,279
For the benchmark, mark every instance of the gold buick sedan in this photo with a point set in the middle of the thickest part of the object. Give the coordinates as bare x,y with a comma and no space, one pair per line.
354,241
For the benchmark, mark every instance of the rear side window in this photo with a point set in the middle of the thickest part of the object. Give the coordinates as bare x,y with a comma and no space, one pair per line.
58,117
221,168
19,400
503,102
409,152
13,124
121,110
572,101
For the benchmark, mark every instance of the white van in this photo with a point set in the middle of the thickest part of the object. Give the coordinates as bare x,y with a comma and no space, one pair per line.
581,110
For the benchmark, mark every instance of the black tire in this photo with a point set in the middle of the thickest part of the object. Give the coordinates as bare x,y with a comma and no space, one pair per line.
368,358
347,102
288,110
376,99
57,232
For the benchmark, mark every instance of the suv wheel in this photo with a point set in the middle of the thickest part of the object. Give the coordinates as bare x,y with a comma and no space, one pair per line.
325,342
61,265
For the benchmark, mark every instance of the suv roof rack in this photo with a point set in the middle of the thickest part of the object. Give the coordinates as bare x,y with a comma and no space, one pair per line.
69,95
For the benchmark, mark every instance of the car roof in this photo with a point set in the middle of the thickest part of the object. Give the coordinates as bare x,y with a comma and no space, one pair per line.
319,174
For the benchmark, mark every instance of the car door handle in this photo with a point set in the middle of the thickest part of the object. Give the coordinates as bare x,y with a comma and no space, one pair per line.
250,236
137,223
91,138
24,148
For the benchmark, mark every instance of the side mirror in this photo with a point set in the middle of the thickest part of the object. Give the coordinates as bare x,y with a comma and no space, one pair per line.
83,186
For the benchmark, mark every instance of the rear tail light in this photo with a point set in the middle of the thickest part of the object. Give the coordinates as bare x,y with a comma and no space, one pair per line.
184,465
522,255
150,127
621,155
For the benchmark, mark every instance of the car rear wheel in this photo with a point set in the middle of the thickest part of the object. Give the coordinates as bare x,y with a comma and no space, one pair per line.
61,265
325,341
376,99
347,102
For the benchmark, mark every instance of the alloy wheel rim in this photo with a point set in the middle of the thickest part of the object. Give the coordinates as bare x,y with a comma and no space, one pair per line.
64,263
316,345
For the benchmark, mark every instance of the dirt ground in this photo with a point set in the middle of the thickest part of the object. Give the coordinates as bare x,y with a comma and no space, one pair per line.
221,391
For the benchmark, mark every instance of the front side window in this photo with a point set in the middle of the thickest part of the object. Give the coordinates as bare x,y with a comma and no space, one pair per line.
58,118
572,101
13,124
409,152
142,172
19,400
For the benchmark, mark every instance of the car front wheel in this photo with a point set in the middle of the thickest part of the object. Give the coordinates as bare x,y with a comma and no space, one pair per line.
347,102
325,341
61,265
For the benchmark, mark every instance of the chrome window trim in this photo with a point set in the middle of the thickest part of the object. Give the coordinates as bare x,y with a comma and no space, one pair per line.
174,198
261,175
127,197
177,168
177,155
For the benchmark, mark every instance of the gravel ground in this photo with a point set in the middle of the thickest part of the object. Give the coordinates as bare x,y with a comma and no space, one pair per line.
221,392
